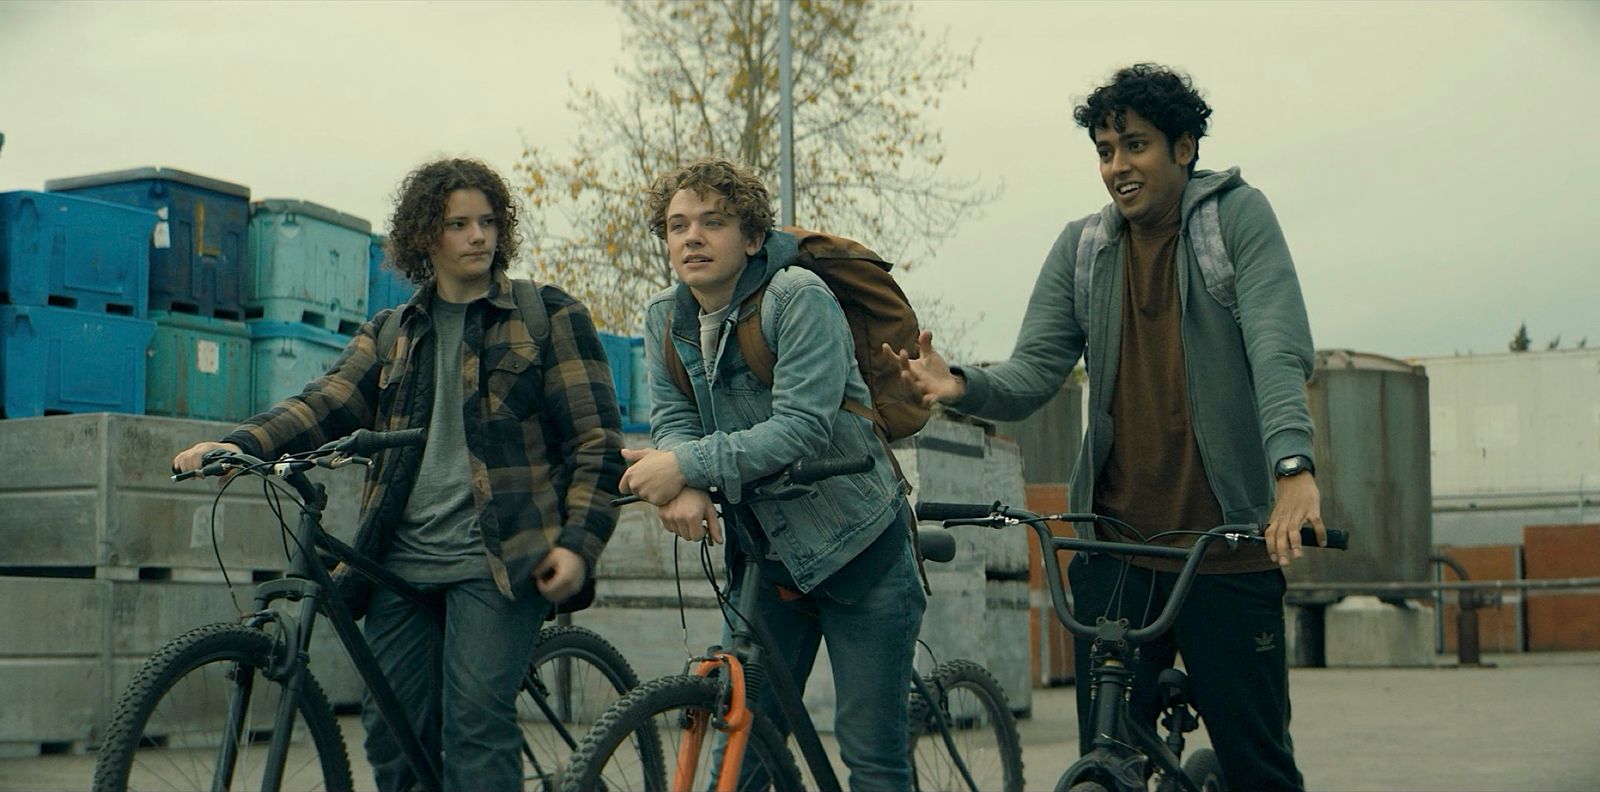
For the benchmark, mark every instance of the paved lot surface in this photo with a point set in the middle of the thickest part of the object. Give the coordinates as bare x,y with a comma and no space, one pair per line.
1529,723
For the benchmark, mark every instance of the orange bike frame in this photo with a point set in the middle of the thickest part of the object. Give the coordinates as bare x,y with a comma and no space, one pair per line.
735,723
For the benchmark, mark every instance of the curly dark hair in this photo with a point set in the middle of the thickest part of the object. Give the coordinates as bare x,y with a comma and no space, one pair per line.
1165,97
419,208
744,192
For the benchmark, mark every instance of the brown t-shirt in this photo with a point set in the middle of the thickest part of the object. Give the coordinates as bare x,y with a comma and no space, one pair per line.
1154,478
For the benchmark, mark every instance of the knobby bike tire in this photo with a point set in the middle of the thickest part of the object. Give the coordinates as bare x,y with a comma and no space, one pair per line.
981,725
167,724
667,702
578,674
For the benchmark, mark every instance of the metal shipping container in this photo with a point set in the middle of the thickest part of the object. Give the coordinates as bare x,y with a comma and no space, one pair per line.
1515,441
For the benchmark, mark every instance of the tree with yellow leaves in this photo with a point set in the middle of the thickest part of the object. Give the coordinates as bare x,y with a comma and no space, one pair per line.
703,81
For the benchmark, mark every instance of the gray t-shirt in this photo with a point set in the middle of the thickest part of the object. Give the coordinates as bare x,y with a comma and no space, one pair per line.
437,540
711,336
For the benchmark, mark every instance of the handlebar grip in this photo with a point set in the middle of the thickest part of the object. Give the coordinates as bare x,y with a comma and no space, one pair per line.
364,441
939,512
1337,539
623,500
936,544
809,471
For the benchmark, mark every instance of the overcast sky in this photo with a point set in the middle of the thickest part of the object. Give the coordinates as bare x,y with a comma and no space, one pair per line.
1432,163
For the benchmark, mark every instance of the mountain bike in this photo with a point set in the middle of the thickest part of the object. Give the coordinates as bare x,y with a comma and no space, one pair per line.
962,732
1127,755
235,705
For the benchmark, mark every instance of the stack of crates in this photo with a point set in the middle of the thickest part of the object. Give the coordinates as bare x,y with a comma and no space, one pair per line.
386,288
196,363
73,304
310,267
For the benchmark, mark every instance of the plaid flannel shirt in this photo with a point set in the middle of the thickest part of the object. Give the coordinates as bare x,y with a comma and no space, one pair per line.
544,449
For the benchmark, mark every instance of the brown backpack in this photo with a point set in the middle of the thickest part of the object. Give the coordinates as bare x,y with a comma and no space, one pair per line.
877,311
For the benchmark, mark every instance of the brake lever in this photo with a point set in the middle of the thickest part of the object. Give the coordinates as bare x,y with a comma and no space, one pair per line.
341,459
785,489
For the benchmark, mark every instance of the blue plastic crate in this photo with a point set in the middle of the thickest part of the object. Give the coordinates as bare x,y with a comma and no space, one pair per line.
197,253
385,287
309,264
72,252
621,363
199,367
58,360
637,415
285,356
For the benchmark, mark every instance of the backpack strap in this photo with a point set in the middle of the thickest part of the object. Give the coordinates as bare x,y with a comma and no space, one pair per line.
1089,244
525,293
675,368
388,335
1204,229
753,346
1211,253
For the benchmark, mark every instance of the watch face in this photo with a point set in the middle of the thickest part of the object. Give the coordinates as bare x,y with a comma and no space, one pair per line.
1291,466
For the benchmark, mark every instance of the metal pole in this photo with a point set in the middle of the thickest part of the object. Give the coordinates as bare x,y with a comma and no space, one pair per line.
785,118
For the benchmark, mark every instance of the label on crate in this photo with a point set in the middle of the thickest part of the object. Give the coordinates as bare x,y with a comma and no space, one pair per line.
161,237
207,357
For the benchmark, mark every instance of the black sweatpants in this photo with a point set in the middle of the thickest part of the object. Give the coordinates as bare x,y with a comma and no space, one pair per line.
1230,634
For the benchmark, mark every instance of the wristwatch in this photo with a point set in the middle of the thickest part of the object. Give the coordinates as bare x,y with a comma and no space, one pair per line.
1294,466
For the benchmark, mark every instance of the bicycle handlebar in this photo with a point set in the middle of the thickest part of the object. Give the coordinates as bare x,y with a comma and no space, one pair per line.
994,516
355,446
810,471
997,516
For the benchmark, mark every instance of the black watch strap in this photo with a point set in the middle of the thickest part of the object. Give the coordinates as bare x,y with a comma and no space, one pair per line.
1293,466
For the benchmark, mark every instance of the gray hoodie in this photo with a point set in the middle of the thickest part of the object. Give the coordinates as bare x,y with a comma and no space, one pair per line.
1247,365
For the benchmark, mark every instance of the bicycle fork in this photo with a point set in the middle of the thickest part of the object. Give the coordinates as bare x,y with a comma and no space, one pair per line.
288,671
734,721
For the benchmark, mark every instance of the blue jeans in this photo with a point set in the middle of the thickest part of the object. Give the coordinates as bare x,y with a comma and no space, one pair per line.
456,681
871,645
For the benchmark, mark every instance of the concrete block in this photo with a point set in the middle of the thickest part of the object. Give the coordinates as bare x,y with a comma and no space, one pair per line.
51,616
641,618
953,624
1363,631
1007,654
98,494
641,548
50,699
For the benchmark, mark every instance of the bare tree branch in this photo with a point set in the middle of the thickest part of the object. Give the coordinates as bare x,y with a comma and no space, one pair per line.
702,79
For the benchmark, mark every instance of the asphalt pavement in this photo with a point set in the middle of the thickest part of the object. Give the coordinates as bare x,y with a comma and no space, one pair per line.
1529,722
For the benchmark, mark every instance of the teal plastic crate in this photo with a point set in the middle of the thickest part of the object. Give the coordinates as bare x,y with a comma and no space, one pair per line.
308,264
199,367
285,356
60,360
621,364
637,416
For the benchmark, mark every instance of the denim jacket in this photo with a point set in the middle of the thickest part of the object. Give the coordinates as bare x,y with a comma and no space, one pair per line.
738,430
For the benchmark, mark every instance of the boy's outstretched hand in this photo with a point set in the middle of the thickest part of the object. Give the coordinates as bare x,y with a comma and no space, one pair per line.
928,373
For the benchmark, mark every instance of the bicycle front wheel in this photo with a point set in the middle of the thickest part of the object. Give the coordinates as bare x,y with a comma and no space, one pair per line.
575,675
608,758
981,728
199,715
